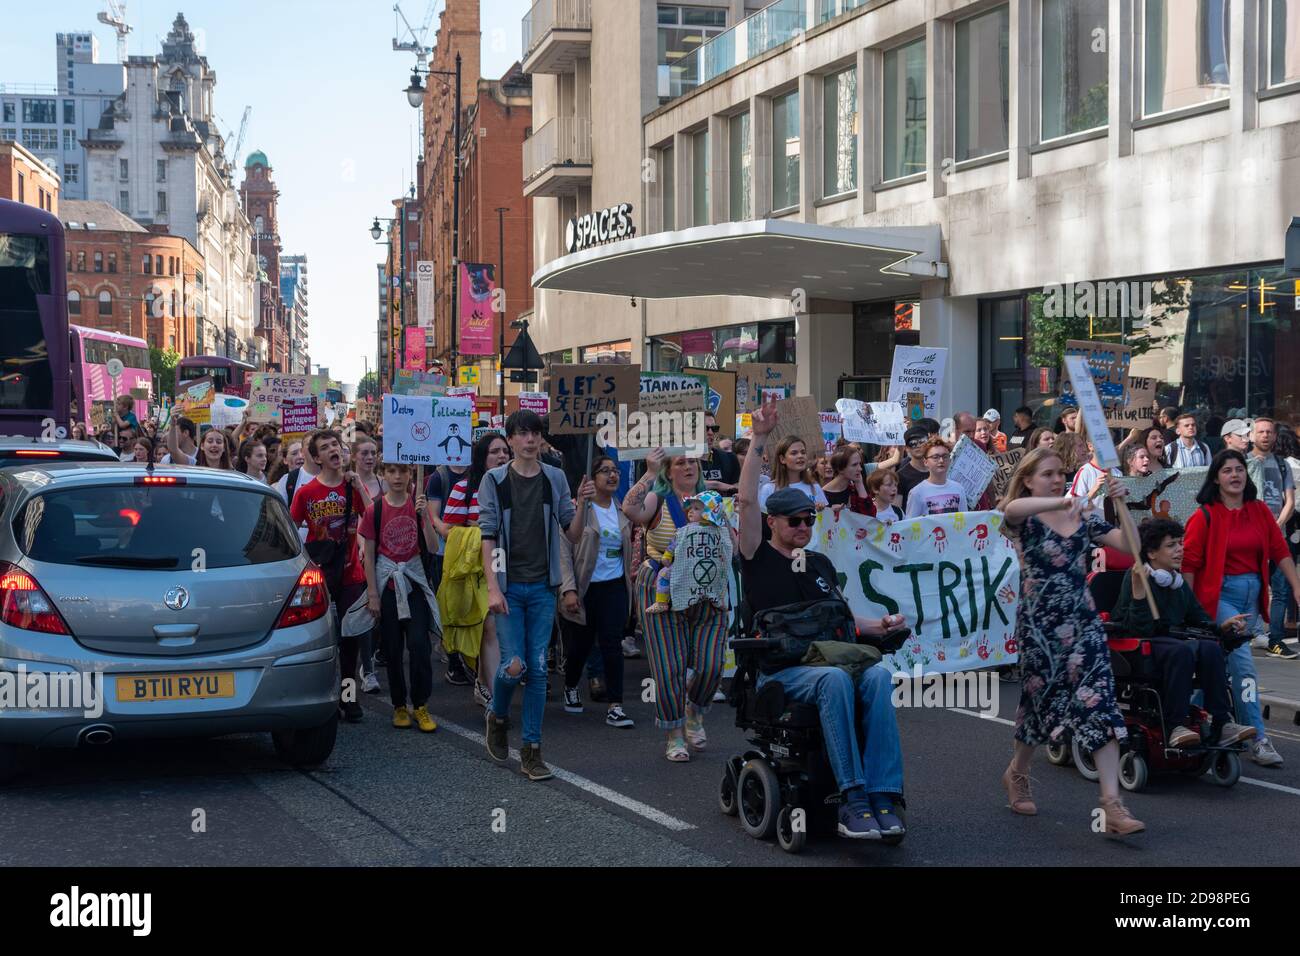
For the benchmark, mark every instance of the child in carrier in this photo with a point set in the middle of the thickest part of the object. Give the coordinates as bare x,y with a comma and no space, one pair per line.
704,509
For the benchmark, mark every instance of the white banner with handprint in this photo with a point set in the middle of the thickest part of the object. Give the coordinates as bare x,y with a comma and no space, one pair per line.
954,577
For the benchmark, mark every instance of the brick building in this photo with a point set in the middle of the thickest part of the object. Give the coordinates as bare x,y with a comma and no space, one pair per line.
259,196
124,278
26,179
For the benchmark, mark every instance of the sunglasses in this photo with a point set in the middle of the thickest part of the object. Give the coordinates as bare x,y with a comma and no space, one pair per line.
714,428
807,521
919,443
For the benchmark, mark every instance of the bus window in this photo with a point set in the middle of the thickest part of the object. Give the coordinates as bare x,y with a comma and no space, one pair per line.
26,379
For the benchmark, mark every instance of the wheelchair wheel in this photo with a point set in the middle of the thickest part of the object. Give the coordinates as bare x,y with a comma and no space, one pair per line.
759,794
1133,772
1226,768
1083,762
1059,755
788,837
727,792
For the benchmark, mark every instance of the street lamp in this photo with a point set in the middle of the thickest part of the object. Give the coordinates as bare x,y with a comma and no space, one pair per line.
376,230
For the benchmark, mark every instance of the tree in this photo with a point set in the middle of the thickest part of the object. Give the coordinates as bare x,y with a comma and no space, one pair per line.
1051,326
163,362
369,387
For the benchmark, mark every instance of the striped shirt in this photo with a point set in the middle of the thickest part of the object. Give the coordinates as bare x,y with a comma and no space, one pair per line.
660,537
455,511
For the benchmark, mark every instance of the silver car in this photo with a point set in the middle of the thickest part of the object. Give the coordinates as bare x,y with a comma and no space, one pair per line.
34,451
186,588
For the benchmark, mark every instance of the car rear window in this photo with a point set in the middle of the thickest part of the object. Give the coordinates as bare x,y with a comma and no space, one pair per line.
156,528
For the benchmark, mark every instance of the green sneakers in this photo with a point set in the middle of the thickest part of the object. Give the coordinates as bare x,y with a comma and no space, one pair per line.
498,744
531,765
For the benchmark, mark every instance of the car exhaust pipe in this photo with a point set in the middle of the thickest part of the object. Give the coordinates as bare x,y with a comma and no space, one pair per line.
97,736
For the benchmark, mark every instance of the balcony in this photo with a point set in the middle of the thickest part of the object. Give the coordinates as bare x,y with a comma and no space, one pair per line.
557,33
557,158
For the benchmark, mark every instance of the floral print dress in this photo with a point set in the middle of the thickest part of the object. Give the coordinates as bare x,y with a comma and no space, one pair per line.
1067,687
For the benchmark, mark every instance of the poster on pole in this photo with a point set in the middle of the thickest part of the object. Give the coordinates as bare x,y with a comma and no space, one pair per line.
415,349
1079,371
581,393
1108,364
920,370
752,378
971,468
954,578
1139,409
299,415
477,283
428,430
424,294
874,423
196,400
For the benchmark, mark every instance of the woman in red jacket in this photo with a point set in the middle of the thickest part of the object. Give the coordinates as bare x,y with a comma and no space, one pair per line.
1230,542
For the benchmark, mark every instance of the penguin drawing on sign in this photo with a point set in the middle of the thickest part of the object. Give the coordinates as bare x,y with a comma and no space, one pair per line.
454,436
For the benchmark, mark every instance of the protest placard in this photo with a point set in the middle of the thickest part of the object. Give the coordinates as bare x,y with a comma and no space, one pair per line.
299,414
953,577
752,377
428,429
269,390
972,469
367,411
798,417
832,430
228,410
1139,408
411,382
537,402
1007,462
670,416
196,400
1108,364
875,423
579,394
1079,372
721,402
918,370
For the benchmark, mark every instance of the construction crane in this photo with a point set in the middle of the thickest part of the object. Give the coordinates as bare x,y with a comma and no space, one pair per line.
116,18
239,140
416,43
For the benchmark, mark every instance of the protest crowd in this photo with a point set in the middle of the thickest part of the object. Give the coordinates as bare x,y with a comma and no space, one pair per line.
536,567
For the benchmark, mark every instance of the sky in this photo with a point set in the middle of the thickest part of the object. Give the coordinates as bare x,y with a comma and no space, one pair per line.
329,111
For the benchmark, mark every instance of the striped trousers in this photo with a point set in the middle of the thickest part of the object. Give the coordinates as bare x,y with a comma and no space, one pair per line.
675,641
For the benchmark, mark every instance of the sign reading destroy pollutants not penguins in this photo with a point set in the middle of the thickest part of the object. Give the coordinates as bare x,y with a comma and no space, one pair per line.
428,430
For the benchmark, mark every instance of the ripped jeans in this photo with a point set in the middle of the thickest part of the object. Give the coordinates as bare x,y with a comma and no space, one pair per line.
524,635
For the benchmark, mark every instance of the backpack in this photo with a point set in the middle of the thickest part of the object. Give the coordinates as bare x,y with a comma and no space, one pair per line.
797,626
291,484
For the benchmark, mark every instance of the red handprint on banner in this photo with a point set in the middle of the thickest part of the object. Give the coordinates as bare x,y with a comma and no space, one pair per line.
981,534
940,539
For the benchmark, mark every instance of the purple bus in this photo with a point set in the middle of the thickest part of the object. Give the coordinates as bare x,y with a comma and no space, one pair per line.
35,376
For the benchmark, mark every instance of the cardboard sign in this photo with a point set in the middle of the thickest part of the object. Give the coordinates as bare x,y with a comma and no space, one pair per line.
1080,374
670,416
1109,364
701,566
299,414
1139,408
269,390
1007,463
832,430
580,393
798,417
971,468
197,399
915,407
722,397
874,423
100,416
918,370
751,378
428,430
367,411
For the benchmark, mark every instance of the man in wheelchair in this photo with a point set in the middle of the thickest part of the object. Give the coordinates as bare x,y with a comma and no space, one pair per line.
857,716
1180,655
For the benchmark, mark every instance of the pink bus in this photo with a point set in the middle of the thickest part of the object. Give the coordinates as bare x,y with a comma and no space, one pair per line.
90,352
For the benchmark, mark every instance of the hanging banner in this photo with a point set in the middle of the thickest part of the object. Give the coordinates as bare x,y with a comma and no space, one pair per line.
425,430
918,369
1169,494
874,423
424,294
953,577
477,282
415,349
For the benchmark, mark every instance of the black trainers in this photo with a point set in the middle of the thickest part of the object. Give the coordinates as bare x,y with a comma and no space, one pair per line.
498,743
351,711
572,701
456,673
1281,650
615,717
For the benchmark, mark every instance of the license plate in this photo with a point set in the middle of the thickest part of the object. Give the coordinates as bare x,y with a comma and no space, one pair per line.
198,685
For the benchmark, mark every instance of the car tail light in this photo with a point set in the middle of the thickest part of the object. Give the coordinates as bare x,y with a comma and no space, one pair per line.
24,605
38,453
158,480
309,602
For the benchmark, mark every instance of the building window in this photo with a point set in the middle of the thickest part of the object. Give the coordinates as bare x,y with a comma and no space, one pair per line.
123,169
741,161
171,265
70,112
148,265
10,114
74,302
983,88
767,342
1075,84
162,203
171,342
8,134
43,140
81,262
124,202
71,173
157,265
840,149
904,112
69,140
682,30
99,262
22,188
112,262
40,111
106,303
162,171
785,151
667,158
1284,42
1185,58
701,174
1002,353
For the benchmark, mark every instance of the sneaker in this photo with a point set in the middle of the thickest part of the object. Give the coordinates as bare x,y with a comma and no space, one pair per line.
1279,649
1183,737
531,765
857,822
1263,753
370,684
888,811
1231,733
718,696
616,718
402,718
351,711
630,649
424,720
456,671
596,691
1119,822
498,743
481,694
572,702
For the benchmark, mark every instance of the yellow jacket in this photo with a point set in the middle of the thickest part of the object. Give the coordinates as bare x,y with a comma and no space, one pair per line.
462,594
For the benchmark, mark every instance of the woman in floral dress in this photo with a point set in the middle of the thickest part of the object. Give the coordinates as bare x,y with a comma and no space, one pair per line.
1067,688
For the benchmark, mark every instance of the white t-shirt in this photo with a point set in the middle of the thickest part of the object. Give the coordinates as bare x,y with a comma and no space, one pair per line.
609,559
767,489
186,459
1087,480
927,498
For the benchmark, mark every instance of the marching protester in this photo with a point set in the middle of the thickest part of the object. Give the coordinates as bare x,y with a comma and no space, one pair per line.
1165,422
125,421
215,450
1023,419
1040,438
857,715
1187,451
1067,688
301,469
141,451
678,640
596,593
251,459
1236,435
1137,461
882,487
790,470
524,507
914,470
997,438
936,495
1276,487
721,469
365,454
1231,541
182,445
846,487
1068,420
1090,476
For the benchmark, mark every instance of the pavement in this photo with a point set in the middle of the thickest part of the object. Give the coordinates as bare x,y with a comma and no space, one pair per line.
1279,687
389,797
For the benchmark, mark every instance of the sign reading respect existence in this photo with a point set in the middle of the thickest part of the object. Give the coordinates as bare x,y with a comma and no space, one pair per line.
918,370
428,430
581,393
954,577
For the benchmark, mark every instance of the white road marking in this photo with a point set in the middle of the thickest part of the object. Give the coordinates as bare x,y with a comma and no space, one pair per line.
988,717
1269,785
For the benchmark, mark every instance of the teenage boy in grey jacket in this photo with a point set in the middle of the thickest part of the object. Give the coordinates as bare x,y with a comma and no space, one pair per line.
524,507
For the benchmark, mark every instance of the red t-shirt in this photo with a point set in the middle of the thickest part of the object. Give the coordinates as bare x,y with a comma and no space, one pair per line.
322,510
1245,547
399,531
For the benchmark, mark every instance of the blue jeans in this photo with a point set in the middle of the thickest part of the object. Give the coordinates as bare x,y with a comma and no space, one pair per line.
1240,595
524,635
1279,594
877,763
